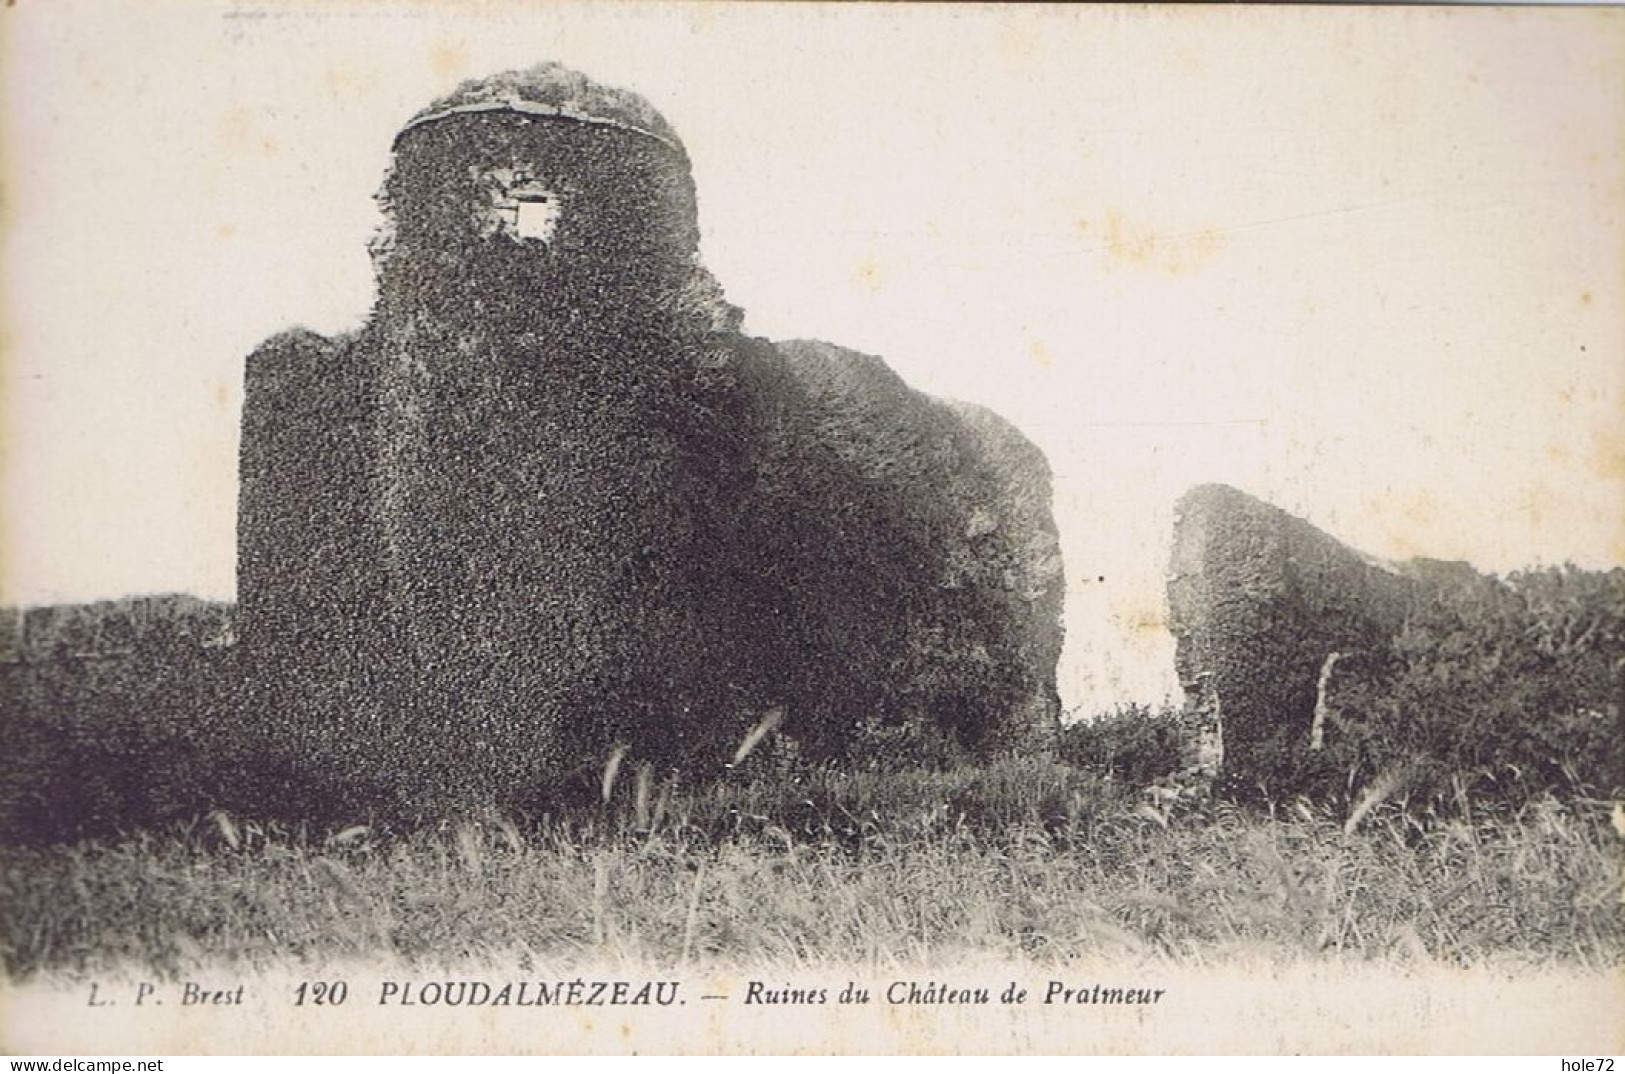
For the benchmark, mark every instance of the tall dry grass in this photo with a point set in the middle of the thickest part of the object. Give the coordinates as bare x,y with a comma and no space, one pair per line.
1021,859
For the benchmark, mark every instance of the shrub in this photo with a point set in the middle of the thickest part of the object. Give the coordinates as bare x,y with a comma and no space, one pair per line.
1133,743
1513,689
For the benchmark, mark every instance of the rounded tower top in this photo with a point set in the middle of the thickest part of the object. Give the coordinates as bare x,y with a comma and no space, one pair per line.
540,194
551,89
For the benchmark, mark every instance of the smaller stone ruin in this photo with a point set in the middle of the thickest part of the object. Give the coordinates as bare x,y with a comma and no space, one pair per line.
1264,609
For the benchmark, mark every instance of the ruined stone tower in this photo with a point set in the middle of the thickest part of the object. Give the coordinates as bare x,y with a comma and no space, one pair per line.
550,498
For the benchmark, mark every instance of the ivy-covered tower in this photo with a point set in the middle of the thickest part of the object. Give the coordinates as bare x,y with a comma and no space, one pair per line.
550,498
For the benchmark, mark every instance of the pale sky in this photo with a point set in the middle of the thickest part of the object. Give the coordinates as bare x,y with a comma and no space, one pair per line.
1368,264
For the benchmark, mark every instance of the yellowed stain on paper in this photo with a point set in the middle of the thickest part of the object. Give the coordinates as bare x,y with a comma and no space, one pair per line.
1130,245
870,275
448,60
1608,456
236,132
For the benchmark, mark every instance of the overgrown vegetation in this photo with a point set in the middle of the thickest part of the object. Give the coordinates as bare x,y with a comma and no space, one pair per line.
1021,858
1511,689
1135,744
1465,807
116,713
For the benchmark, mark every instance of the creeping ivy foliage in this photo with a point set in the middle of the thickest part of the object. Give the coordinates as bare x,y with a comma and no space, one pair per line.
551,499
1508,690
1134,744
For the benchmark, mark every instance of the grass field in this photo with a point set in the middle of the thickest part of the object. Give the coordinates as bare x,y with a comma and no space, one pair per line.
1026,860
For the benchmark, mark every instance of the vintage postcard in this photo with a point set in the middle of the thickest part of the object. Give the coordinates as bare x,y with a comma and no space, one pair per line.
815,528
